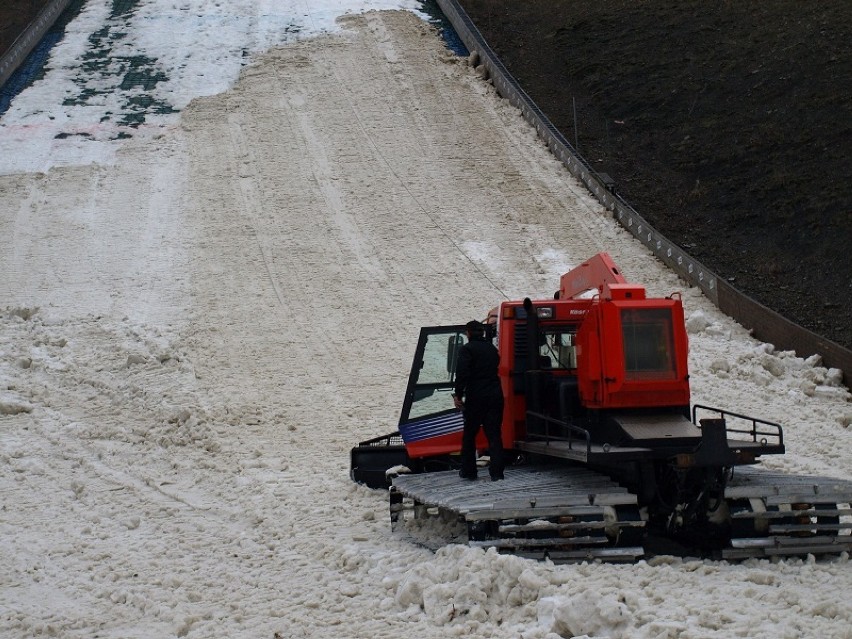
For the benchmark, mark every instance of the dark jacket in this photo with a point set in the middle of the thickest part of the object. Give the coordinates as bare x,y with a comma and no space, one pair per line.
476,370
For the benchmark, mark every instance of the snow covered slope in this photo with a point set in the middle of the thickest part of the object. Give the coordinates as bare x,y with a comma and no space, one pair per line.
197,326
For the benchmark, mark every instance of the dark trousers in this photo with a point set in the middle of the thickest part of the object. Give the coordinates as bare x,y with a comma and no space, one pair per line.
486,412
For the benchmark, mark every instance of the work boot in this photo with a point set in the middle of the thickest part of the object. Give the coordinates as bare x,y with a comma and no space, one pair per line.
469,476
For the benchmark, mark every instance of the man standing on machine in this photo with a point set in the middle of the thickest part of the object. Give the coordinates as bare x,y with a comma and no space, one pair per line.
478,394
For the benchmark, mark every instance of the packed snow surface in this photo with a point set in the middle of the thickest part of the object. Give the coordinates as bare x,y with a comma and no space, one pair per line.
201,314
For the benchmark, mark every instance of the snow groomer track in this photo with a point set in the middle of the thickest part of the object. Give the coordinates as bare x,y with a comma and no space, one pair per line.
570,514
788,514
560,513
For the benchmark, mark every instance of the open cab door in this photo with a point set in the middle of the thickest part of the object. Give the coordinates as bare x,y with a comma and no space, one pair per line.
429,423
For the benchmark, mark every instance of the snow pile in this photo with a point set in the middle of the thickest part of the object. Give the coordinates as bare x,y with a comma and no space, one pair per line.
475,588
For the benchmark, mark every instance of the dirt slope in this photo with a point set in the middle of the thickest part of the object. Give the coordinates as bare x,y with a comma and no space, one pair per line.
727,125
15,15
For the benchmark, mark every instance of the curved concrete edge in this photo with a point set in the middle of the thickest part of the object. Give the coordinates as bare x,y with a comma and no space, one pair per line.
31,36
764,323
770,326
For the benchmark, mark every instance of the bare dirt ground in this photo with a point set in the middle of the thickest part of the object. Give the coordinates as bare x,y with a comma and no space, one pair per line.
15,15
727,125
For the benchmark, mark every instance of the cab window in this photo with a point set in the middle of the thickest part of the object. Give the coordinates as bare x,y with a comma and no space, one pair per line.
648,343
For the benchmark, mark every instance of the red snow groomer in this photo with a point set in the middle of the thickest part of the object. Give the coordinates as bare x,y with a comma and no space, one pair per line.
611,460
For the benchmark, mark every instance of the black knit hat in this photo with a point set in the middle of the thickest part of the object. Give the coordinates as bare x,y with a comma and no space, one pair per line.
475,328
